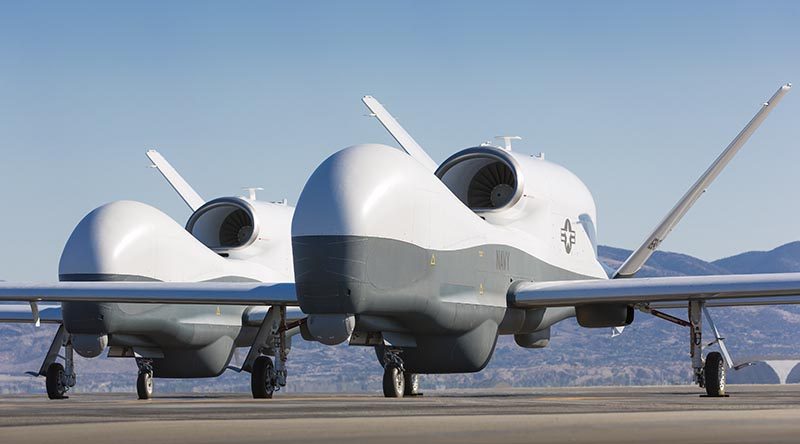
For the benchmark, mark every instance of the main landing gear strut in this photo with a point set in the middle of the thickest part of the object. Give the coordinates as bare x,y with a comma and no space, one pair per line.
58,378
396,381
708,373
273,339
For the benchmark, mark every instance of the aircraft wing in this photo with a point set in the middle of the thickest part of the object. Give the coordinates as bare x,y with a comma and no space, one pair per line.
213,293
662,292
639,257
409,145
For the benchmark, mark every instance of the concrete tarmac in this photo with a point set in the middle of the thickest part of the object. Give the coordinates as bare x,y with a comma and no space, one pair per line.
582,415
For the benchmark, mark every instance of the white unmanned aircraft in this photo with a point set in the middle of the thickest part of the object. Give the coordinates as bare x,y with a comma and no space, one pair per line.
229,239
430,264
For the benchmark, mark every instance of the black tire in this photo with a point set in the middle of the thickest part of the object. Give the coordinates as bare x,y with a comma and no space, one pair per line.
393,382
411,382
714,374
144,385
54,381
262,378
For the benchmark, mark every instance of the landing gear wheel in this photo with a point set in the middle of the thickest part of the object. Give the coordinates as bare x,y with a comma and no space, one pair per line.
411,381
714,374
394,382
54,381
262,379
144,385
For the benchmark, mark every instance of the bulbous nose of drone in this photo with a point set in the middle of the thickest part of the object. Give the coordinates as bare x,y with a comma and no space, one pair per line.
362,190
360,200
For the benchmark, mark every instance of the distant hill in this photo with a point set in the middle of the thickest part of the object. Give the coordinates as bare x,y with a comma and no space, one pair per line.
783,259
664,263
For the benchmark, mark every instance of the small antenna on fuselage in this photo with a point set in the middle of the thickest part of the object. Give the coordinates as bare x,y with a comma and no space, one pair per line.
507,141
251,192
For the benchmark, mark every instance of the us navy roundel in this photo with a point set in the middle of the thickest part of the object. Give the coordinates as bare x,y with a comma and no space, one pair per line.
568,236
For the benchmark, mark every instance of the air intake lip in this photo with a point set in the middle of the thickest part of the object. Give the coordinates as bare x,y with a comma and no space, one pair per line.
224,224
486,179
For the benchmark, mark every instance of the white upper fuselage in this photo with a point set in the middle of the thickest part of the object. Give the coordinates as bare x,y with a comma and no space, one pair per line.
132,240
393,196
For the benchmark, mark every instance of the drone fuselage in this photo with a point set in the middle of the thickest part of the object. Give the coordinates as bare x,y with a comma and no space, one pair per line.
425,261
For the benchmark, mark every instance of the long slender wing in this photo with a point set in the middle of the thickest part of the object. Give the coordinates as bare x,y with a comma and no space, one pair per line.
215,293
179,184
637,259
402,137
724,290
48,314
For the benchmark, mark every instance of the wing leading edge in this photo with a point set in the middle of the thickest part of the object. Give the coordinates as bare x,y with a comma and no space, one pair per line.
663,292
216,293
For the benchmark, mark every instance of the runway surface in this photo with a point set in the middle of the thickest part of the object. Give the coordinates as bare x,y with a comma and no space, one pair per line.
598,415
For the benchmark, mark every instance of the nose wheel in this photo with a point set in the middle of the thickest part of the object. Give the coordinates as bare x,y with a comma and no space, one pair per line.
144,385
411,381
396,381
144,381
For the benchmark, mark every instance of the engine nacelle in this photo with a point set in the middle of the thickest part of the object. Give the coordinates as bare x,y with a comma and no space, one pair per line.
511,188
245,229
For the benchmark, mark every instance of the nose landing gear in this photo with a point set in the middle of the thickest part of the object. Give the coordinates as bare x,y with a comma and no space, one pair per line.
144,381
396,381
393,381
411,381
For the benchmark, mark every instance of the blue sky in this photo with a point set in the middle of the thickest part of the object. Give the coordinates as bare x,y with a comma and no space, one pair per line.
636,98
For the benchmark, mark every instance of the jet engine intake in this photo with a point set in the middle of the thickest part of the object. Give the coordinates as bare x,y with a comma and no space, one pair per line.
484,178
224,224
